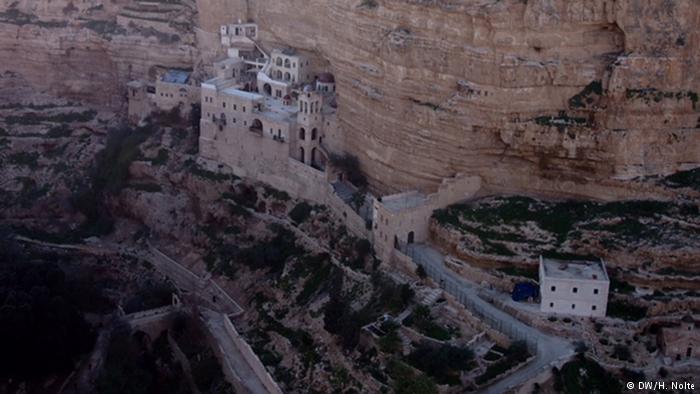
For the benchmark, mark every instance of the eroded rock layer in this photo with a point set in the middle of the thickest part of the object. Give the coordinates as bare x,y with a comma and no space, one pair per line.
556,97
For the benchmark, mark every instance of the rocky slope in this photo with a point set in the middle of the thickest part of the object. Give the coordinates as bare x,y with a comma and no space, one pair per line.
557,97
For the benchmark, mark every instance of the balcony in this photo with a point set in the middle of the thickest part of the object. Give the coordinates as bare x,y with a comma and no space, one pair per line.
279,139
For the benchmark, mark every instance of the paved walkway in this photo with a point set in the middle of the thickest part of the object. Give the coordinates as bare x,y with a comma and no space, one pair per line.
548,349
233,357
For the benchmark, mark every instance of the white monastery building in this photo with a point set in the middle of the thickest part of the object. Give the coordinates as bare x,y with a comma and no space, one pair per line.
577,288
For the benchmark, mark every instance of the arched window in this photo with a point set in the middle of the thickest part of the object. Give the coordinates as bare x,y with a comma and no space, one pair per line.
313,156
287,63
313,135
301,155
302,134
256,126
279,74
287,76
279,61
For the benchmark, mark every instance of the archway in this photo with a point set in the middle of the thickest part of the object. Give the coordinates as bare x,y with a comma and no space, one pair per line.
313,134
267,89
287,76
410,237
301,155
302,134
256,126
287,63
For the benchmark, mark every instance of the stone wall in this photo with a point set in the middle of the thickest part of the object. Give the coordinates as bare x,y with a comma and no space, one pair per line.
255,364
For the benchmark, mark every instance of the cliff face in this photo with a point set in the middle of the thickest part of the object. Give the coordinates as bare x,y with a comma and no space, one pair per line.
553,96
88,50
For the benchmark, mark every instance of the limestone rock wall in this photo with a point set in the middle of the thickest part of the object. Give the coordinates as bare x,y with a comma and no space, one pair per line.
527,94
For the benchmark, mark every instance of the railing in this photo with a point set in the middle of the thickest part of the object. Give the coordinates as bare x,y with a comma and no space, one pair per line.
472,299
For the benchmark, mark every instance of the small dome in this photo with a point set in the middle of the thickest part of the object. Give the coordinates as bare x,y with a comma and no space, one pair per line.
308,88
326,78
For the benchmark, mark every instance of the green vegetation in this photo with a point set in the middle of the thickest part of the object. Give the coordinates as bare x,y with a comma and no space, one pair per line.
109,176
586,97
583,375
271,192
25,159
408,381
690,178
625,310
300,212
652,94
390,342
161,158
515,354
503,220
530,273
444,363
200,172
425,324
300,339
146,187
342,320
33,118
321,268
106,29
562,121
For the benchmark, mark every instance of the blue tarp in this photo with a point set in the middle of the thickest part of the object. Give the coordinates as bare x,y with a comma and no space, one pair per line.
524,291
176,76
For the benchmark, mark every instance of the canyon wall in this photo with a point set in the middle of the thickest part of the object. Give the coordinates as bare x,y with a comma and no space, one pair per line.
558,97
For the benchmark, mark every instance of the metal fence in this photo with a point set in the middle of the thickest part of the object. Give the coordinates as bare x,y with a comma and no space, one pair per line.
471,299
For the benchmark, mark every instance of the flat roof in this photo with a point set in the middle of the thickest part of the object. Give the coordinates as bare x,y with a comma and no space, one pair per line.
243,94
574,269
398,202
176,76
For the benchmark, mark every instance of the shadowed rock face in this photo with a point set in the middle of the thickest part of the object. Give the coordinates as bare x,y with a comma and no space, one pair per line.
558,97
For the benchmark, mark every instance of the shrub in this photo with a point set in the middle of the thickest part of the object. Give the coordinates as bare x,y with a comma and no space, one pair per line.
442,362
300,212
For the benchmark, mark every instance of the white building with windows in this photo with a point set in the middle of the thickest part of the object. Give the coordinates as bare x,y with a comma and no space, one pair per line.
577,288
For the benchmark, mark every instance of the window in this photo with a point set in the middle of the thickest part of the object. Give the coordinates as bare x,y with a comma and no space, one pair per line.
244,108
595,291
551,305
593,307
234,107
224,104
554,288
575,290
573,306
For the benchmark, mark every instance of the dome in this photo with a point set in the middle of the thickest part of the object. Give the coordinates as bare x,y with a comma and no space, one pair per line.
326,78
308,88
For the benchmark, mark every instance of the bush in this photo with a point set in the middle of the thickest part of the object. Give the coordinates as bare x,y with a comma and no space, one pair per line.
442,362
515,354
300,212
626,311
